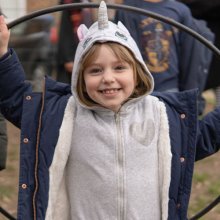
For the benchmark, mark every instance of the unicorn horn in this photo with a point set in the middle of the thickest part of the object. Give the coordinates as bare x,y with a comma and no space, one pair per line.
102,16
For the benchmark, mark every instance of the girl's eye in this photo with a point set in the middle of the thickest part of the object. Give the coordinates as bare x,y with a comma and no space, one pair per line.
120,67
94,71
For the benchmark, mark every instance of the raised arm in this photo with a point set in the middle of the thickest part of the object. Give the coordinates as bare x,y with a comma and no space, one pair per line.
4,36
13,86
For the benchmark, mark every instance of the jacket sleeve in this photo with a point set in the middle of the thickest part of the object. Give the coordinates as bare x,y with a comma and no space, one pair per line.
208,138
194,57
12,88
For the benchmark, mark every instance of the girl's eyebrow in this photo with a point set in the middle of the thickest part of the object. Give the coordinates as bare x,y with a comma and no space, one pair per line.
92,64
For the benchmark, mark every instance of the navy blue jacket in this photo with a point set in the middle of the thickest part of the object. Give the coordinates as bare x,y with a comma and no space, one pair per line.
39,115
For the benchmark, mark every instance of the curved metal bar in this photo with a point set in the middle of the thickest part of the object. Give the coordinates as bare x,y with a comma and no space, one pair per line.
6,214
203,40
206,209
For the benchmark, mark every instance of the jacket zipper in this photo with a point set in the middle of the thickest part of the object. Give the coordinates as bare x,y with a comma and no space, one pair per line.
37,151
120,158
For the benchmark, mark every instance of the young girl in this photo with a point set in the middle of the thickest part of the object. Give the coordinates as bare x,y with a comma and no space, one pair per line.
108,149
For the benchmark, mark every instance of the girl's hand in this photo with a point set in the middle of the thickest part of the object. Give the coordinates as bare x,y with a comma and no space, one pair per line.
4,36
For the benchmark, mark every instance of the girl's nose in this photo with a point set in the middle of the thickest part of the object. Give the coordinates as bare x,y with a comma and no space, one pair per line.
108,77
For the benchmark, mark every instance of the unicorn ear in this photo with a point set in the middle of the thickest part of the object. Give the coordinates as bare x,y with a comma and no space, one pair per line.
122,27
82,31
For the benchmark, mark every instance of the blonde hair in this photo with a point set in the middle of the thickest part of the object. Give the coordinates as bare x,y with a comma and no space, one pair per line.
143,82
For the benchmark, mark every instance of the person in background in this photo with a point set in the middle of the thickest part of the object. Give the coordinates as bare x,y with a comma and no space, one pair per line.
68,41
3,137
176,60
209,11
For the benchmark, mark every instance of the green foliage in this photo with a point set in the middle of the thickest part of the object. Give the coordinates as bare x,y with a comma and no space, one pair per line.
6,192
214,189
200,178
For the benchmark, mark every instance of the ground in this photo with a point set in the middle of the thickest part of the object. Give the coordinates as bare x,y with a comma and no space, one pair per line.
206,179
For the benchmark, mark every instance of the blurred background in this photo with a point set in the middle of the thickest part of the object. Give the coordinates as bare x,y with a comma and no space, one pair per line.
35,40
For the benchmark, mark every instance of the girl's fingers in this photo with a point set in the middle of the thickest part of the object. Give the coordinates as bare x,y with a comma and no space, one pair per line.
2,23
4,36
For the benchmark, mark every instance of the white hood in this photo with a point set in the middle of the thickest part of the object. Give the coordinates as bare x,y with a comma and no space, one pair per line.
103,31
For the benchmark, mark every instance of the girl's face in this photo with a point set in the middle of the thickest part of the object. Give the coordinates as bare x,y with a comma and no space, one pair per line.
108,80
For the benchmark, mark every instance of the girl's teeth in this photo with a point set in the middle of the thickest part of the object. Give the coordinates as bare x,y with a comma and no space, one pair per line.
109,91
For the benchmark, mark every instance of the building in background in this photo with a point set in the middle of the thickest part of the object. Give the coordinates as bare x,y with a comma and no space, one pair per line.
17,8
13,8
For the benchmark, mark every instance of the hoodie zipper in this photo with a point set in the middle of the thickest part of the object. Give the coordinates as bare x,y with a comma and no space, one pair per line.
120,159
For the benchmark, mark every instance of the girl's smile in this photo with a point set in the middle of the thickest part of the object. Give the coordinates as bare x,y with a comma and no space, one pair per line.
109,81
109,91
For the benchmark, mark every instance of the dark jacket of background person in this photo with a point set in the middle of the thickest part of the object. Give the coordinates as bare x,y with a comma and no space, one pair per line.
68,41
176,60
209,11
